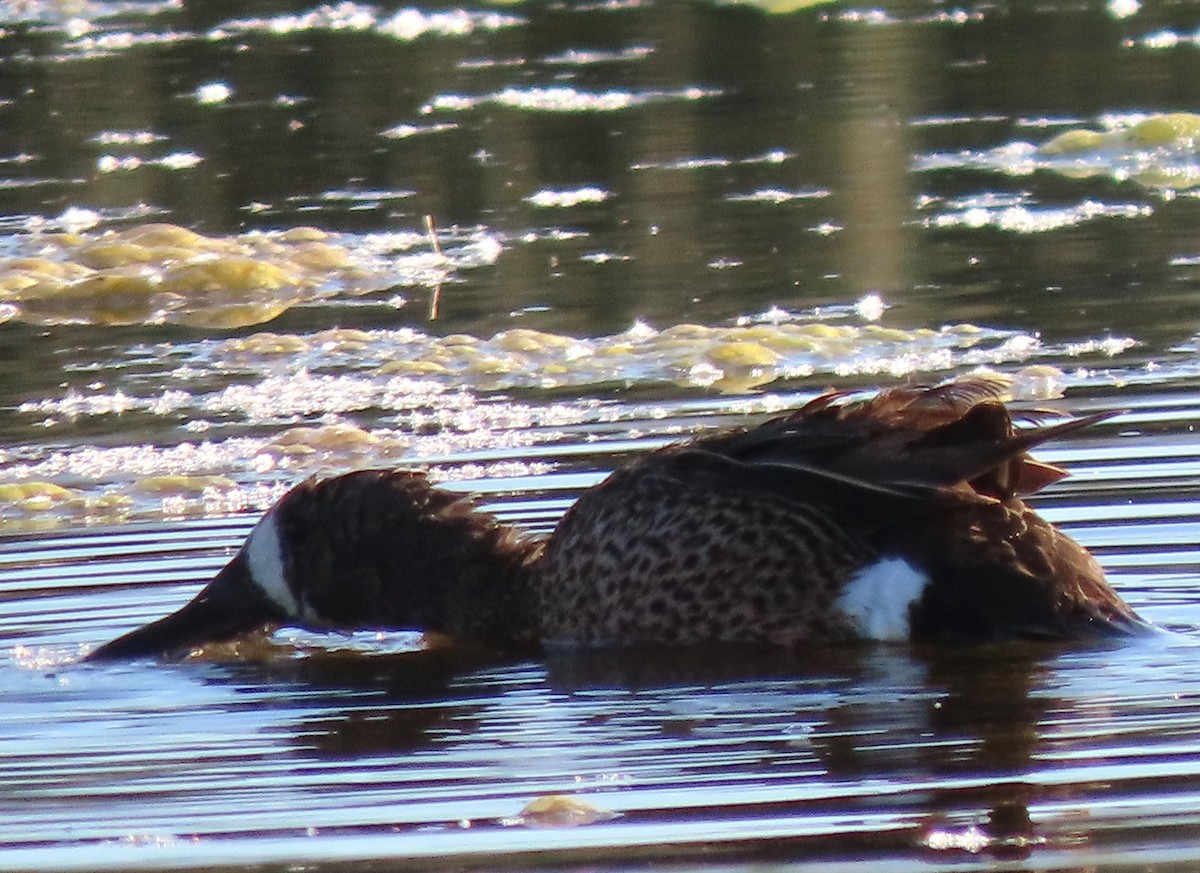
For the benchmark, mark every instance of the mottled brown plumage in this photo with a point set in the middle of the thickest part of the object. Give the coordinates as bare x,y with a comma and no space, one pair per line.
752,534
657,554
900,516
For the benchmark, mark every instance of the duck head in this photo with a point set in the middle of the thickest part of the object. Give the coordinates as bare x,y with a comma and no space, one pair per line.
371,549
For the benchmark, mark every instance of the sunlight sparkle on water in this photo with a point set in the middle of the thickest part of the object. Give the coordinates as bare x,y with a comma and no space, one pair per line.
405,131
406,24
40,657
213,93
971,840
871,307
582,57
777,196
548,198
563,99
1026,219
173,161
409,24
128,137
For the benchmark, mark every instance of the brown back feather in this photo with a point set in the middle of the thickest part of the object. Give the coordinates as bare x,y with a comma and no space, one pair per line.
909,440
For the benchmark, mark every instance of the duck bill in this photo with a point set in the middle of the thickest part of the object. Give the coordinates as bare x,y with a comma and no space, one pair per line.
228,606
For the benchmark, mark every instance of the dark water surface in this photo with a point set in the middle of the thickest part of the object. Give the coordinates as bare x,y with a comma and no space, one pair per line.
652,219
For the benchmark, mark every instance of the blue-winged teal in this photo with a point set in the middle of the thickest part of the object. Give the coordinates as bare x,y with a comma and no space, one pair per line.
899,517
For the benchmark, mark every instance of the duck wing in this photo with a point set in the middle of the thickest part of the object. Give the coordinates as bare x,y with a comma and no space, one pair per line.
864,506
908,440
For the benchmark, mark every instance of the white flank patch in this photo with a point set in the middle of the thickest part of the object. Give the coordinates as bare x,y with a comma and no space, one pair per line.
264,554
877,600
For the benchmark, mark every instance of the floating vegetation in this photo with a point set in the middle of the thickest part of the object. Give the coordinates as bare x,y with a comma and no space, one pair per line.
182,485
1173,130
284,380
559,811
45,504
727,359
161,273
1156,151
252,414
339,441
35,494
241,474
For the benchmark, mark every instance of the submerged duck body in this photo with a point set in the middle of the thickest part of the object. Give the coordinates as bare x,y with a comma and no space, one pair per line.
896,518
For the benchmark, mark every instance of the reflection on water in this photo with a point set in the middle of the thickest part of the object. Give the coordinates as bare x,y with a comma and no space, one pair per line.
334,748
874,754
650,219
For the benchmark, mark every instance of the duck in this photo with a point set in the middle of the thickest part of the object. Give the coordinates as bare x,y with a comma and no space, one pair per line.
898,517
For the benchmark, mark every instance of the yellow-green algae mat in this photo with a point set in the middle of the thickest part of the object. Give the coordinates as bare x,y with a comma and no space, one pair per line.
161,273
253,414
1156,151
